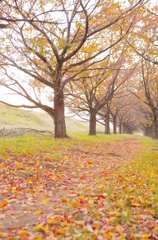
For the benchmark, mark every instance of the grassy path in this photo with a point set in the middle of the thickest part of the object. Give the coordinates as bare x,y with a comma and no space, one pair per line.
81,188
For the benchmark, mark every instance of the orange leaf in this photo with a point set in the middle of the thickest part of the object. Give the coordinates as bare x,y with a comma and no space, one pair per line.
90,162
83,177
61,231
30,180
3,204
64,199
100,196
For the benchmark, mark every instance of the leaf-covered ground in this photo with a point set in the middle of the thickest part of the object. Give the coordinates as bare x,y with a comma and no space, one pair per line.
88,191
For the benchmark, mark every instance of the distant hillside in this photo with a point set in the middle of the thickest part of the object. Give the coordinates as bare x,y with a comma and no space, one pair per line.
13,117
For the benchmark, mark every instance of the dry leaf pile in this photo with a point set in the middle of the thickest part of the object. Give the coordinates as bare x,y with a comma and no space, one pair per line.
100,192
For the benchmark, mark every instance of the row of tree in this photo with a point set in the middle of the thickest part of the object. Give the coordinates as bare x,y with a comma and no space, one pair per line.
97,58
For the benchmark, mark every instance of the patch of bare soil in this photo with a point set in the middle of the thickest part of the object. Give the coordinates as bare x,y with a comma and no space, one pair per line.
16,132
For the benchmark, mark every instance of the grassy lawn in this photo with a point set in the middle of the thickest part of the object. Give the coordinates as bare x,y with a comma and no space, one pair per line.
101,185
44,144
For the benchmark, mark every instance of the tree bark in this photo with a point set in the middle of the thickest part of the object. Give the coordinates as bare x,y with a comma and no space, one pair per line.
107,123
59,115
114,124
59,108
120,127
149,131
124,128
155,126
92,124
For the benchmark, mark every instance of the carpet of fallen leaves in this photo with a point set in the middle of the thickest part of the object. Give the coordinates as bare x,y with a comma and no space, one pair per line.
100,192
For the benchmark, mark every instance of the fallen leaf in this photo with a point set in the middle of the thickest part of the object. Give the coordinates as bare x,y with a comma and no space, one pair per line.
38,212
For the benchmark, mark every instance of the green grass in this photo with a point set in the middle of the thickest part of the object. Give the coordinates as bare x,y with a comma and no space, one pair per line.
52,147
132,189
29,143
13,118
142,173
145,171
88,140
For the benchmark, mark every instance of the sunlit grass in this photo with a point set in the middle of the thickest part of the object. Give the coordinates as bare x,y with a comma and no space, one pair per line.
13,117
30,143
146,167
136,184
99,138
49,145
134,181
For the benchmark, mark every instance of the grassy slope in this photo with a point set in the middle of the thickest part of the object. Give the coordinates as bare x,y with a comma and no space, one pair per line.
14,117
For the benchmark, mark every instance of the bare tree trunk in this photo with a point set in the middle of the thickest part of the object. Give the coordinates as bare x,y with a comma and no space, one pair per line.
59,108
114,124
124,128
59,115
92,124
120,127
107,122
155,126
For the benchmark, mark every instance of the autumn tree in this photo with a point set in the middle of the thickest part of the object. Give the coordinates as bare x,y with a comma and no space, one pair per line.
114,110
91,93
48,40
104,117
118,103
127,114
145,118
117,112
150,84
96,90
144,39
148,91
115,107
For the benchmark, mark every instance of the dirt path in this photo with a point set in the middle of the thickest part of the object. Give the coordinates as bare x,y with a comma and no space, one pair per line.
57,190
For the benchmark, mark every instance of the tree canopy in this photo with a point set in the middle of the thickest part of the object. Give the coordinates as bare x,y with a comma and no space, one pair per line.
59,48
